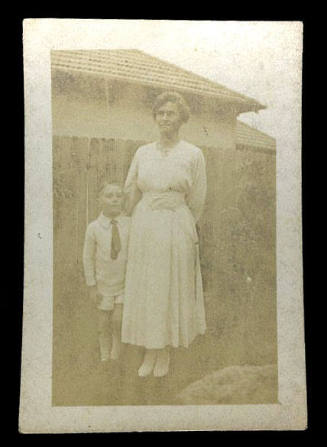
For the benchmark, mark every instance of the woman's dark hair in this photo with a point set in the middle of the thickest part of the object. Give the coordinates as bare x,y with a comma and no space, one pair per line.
175,98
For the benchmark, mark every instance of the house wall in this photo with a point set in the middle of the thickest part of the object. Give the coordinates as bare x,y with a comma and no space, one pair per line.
76,112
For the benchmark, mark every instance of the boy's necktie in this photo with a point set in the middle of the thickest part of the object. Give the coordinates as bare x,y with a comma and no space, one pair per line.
115,240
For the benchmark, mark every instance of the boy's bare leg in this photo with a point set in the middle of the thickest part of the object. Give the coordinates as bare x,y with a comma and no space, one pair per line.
116,333
103,334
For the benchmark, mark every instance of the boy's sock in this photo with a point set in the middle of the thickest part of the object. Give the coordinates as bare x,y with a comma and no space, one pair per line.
115,350
104,347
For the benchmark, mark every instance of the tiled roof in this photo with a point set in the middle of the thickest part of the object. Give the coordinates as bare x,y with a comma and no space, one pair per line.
250,137
139,67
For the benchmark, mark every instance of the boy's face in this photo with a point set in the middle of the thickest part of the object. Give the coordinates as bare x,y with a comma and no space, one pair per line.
111,200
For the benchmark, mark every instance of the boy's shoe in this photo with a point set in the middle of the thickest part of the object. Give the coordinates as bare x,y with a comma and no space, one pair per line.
105,357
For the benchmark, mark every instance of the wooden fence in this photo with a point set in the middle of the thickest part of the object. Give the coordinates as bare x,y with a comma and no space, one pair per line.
237,230
80,165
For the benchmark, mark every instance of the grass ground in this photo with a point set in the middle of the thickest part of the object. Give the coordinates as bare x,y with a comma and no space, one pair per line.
79,379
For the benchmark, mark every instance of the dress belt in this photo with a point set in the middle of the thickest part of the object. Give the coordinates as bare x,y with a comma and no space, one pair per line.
164,199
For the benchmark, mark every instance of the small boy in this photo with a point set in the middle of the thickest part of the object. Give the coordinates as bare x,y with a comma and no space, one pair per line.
104,258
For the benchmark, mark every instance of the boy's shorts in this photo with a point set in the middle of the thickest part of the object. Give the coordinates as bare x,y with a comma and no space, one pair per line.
108,302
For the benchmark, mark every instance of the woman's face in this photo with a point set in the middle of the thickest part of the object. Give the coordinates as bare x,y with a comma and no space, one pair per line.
168,118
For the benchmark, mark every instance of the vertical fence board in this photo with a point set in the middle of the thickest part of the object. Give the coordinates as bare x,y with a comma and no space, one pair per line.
93,179
81,153
111,161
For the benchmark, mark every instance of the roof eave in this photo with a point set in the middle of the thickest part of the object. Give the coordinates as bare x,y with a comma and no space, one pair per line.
239,103
256,107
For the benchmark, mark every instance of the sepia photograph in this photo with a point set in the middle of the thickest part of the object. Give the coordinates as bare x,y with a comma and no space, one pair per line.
161,196
190,296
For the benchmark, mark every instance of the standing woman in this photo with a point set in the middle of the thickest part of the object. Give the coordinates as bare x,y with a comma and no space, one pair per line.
166,189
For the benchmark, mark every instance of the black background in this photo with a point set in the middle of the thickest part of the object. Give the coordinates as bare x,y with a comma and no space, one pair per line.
13,206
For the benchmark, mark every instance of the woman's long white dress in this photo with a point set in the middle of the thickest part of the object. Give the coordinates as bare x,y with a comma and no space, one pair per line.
163,303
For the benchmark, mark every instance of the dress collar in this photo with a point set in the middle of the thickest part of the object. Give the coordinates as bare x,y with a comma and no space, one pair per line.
167,151
106,221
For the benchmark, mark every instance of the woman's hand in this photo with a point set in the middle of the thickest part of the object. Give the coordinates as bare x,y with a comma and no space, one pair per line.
165,202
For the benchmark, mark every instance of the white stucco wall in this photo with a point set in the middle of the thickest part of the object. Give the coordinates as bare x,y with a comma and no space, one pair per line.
129,117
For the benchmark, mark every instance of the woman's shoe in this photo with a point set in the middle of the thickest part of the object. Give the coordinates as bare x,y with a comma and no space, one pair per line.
148,363
162,364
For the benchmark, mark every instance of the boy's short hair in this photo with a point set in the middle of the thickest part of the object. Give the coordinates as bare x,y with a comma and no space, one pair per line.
105,184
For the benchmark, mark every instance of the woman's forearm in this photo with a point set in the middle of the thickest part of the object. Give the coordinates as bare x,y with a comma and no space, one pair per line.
133,197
